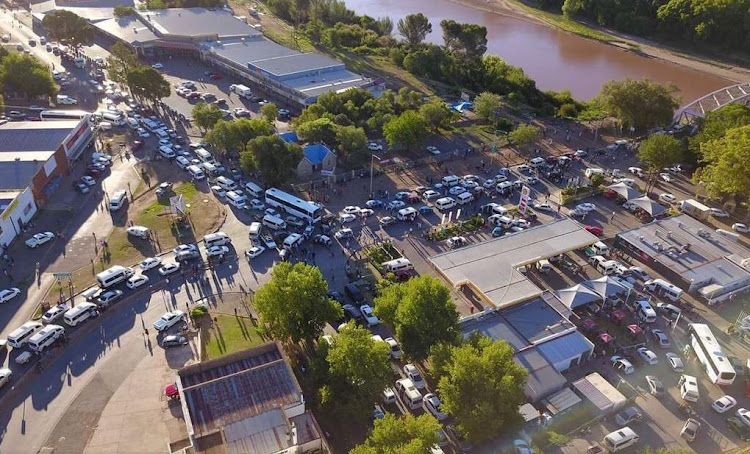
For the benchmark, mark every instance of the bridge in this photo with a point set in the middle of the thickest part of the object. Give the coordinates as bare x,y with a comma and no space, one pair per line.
712,101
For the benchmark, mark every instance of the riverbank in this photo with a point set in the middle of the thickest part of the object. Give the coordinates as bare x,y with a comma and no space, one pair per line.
640,46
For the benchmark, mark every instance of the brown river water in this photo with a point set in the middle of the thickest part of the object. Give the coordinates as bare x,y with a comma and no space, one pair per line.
555,59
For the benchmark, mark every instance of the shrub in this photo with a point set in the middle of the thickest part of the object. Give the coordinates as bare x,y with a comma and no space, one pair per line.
558,439
198,311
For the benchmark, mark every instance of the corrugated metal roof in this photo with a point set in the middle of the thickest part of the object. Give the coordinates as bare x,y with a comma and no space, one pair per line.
45,136
561,401
197,22
543,379
565,347
494,326
600,392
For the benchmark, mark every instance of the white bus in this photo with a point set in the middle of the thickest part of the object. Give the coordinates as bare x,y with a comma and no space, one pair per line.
709,352
63,114
303,209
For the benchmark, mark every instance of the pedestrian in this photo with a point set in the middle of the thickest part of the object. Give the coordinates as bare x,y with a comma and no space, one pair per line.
612,218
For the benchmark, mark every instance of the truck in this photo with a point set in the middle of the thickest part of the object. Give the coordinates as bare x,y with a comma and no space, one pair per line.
243,91
695,209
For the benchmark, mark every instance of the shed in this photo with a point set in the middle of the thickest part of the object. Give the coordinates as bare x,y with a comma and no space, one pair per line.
529,412
316,157
601,393
289,137
561,401
567,351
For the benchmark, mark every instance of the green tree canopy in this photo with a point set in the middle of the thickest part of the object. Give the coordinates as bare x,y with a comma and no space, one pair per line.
25,74
234,135
293,304
525,135
276,159
120,62
414,28
124,11
422,313
358,368
466,40
206,116
483,388
146,82
407,129
352,141
727,169
487,105
269,112
321,130
400,435
436,114
659,151
68,28
641,104
717,122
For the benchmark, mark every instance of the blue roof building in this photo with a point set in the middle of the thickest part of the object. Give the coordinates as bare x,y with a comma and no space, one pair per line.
289,137
316,157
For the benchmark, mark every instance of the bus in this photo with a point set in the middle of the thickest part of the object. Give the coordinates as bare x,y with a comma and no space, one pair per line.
708,351
303,209
47,115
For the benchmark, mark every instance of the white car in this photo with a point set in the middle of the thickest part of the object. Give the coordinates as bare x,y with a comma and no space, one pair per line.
142,133
666,177
254,252
157,66
256,204
675,362
395,348
344,233
576,212
542,207
366,212
648,356
396,205
139,231
744,416
717,213
586,206
532,180
5,375
168,319
456,190
523,223
184,247
469,184
39,239
169,268
346,218
373,204
387,220
351,210
636,171
137,281
401,195
217,251
8,294
456,241
372,146
433,150
724,404
370,318
151,262
668,198
580,153
413,374
431,403
620,363
88,180
109,297
430,194
54,313
739,227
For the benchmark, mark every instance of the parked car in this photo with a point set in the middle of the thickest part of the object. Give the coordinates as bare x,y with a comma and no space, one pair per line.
39,239
655,385
432,405
8,294
724,404
168,320
150,262
690,429
622,364
629,415
174,340
411,371
739,428
648,356
661,338
675,362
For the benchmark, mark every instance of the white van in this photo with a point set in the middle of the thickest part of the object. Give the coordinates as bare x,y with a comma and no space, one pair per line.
113,275
167,152
236,200
294,239
105,125
399,264
118,200
226,184
79,314
600,248
113,117
590,172
445,203
150,124
688,388
255,228
196,172
46,337
537,162
645,312
216,239
253,189
464,198
21,335
451,180
620,439
543,266
407,214
182,162
274,222
204,155
664,289
410,395
210,169
606,267
133,123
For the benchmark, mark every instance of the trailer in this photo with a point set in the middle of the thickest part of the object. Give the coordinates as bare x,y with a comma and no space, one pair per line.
695,209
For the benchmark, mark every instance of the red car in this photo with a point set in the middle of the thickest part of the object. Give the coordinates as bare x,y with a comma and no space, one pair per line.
194,95
215,76
594,229
137,144
93,173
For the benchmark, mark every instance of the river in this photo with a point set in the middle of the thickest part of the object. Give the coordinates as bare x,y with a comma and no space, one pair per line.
555,59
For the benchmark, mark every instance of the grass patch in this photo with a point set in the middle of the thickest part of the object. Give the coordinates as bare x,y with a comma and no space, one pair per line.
228,334
472,224
560,21
381,253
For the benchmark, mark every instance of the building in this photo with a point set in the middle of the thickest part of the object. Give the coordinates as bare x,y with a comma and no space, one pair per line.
16,210
37,154
494,271
316,157
690,255
248,402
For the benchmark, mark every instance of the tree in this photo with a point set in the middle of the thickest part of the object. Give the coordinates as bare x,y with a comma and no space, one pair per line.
659,151
228,136
727,169
422,313
483,388
124,11
407,129
414,28
717,122
436,115
68,29
269,112
276,159
358,368
525,135
352,140
467,40
400,435
25,74
487,105
293,305
206,116
120,62
322,130
640,104
146,82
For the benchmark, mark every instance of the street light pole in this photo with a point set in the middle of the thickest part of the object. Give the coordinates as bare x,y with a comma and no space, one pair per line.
372,167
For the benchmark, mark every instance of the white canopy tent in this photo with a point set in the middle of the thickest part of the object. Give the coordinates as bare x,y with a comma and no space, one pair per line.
606,287
624,191
578,295
649,206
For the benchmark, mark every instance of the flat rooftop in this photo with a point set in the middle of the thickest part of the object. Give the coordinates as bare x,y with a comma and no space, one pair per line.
197,22
130,29
34,136
93,10
536,320
675,242
543,379
489,268
289,65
